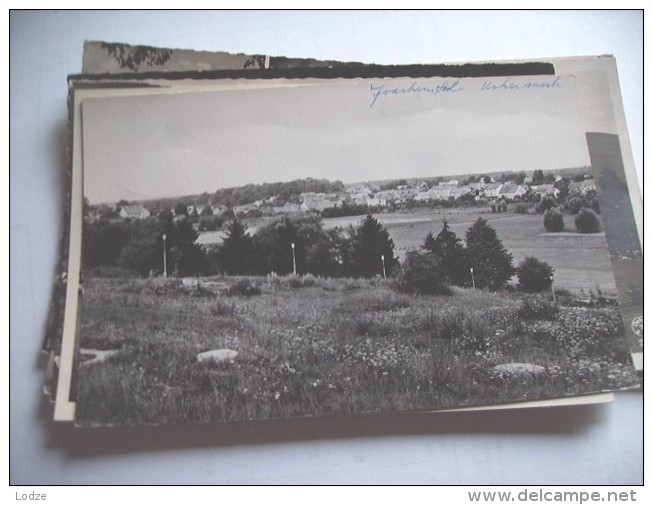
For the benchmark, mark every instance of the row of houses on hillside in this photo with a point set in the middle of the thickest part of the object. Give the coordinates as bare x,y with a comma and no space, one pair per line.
371,196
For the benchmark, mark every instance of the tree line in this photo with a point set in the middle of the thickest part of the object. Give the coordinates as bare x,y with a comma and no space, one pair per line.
287,245
301,245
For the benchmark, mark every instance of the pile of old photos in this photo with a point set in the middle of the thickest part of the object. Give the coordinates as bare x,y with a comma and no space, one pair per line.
257,237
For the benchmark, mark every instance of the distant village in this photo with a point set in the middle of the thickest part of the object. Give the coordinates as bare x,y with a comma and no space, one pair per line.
377,197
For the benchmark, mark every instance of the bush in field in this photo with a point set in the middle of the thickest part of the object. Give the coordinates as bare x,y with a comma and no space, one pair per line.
244,287
300,281
222,308
108,272
491,262
534,275
553,220
521,208
586,221
422,274
538,307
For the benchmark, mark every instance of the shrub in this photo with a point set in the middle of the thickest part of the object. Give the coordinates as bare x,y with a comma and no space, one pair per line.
521,208
553,220
469,330
244,287
384,302
301,281
108,272
222,308
545,204
586,221
421,274
534,275
538,307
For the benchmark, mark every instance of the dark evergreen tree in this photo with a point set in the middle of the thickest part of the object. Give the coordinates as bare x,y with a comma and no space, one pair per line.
491,262
451,255
183,236
181,209
236,255
429,242
538,176
371,241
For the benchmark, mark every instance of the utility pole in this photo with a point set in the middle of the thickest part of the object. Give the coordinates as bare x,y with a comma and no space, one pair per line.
294,261
383,263
473,281
165,259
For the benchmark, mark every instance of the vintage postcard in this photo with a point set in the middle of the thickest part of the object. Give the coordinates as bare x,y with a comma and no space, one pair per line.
352,246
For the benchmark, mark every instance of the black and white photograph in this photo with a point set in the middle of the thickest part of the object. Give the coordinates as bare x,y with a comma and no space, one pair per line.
341,248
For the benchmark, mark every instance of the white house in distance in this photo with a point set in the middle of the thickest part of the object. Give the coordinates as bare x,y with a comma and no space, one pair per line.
546,189
512,191
491,190
133,212
582,187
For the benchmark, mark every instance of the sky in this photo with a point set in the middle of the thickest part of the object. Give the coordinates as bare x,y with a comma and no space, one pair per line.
144,147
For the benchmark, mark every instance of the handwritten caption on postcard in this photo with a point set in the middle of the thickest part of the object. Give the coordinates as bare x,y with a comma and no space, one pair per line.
380,91
510,85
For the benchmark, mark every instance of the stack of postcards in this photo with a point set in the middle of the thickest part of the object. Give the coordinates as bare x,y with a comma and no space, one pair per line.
257,237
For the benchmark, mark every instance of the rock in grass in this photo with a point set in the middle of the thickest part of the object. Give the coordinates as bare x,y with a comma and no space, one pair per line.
518,369
217,356
90,356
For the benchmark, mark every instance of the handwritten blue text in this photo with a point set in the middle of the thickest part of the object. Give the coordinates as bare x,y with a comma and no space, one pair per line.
381,90
508,84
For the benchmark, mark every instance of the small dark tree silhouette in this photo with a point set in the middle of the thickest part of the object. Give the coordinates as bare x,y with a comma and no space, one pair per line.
534,275
553,220
491,262
236,252
451,255
422,274
371,241
586,221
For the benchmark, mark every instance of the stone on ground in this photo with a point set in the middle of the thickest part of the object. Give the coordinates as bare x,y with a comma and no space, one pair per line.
518,369
217,355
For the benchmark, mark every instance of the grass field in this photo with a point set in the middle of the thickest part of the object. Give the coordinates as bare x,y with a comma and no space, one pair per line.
312,346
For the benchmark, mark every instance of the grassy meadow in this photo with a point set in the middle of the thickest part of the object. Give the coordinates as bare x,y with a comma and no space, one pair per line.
311,346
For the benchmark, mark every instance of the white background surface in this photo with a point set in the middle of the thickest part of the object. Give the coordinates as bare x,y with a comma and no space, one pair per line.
574,445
